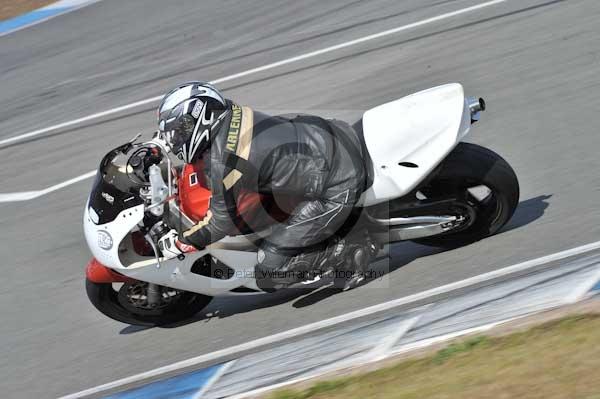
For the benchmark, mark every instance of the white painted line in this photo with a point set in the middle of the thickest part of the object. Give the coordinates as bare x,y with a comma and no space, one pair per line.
252,71
382,350
360,40
69,5
29,195
18,197
310,328
214,379
582,290
15,139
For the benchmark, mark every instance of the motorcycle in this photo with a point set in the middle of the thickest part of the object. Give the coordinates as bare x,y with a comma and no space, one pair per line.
425,185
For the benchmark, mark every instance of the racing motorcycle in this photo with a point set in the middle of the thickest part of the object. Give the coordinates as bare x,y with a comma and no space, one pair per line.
425,185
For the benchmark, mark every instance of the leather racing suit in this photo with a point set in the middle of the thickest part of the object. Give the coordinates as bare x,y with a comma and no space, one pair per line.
311,166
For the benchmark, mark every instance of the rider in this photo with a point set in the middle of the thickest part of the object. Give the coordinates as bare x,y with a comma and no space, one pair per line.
318,161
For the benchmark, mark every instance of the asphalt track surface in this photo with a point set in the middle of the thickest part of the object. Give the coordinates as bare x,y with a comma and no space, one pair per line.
535,62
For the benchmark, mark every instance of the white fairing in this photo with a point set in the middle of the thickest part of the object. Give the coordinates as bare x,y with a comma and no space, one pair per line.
110,244
420,129
104,239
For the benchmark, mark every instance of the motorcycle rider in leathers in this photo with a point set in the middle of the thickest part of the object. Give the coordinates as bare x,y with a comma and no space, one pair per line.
318,162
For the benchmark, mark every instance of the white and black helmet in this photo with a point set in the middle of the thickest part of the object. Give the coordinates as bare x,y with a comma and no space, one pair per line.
188,117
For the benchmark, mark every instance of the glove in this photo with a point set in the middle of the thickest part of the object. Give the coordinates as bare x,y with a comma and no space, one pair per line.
171,247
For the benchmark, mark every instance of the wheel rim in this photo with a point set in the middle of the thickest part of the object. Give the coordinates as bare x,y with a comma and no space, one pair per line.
487,202
134,298
481,203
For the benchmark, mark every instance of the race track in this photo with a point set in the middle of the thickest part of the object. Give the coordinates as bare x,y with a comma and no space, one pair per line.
536,62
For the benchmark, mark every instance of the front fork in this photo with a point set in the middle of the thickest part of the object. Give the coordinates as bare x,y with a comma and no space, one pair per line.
154,294
100,274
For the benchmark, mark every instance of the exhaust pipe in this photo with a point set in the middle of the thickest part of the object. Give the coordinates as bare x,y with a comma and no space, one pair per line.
476,106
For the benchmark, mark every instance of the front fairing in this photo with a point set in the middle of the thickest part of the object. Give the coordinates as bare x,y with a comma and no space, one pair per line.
109,244
115,206
113,190
105,239
107,201
116,209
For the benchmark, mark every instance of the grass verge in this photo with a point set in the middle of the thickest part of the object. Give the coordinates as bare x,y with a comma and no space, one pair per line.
557,359
13,8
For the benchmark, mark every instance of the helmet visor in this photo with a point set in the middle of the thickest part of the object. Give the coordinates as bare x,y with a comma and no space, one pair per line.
181,133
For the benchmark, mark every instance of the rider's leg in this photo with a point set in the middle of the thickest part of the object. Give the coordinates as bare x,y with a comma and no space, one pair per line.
293,248
303,245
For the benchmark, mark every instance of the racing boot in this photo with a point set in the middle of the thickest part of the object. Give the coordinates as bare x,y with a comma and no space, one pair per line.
357,259
276,270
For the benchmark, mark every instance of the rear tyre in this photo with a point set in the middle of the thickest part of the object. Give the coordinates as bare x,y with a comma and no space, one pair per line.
129,304
467,169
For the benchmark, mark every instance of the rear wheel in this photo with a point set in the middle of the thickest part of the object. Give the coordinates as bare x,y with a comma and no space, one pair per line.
489,185
129,303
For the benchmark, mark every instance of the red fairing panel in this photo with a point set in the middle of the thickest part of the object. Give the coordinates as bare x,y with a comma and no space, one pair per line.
98,273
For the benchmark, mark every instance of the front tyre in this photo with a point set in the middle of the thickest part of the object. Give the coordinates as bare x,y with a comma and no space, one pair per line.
129,303
490,186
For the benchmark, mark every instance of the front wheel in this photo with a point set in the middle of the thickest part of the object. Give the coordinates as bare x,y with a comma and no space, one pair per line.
490,186
129,303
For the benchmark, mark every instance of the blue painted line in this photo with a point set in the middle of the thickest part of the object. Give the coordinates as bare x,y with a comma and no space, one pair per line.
29,18
596,287
184,386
